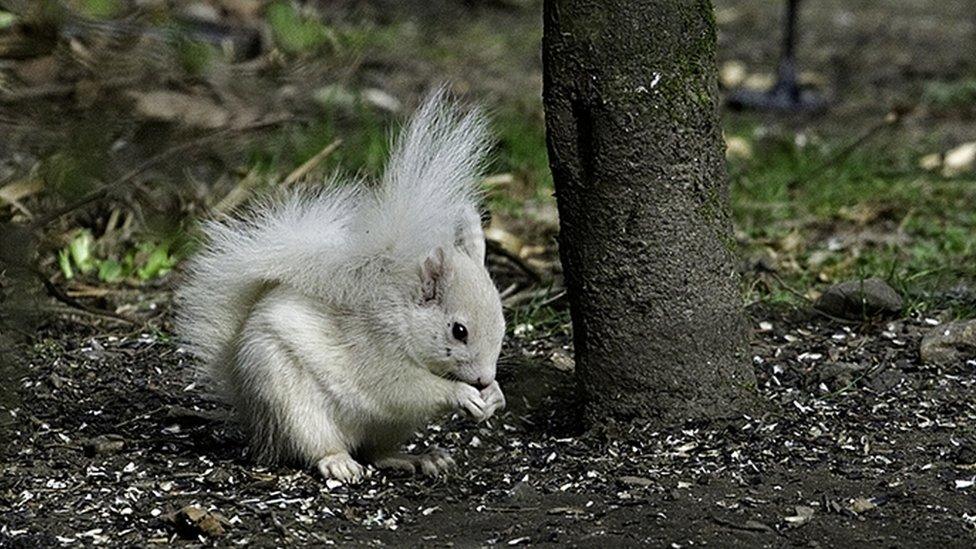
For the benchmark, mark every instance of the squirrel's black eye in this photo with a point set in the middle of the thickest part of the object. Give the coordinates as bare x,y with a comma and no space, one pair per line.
459,332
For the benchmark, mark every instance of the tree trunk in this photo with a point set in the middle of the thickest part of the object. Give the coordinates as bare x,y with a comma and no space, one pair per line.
645,232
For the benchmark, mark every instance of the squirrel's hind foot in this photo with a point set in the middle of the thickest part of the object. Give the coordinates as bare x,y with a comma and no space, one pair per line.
341,467
433,463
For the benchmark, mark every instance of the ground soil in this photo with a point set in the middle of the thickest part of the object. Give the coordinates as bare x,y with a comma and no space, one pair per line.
856,444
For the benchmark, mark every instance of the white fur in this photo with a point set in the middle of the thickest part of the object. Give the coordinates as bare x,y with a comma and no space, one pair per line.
326,317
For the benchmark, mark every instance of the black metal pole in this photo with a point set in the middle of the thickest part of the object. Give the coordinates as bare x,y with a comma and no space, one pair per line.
789,37
786,95
787,63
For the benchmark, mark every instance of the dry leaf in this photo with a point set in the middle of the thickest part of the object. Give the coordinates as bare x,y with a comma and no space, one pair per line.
860,505
503,238
189,110
732,74
802,516
930,162
738,148
959,160
18,190
193,520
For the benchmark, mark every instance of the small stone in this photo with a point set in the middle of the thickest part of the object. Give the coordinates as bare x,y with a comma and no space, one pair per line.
335,96
524,494
949,344
756,526
562,361
642,482
190,110
838,375
930,162
759,81
201,11
56,381
860,505
885,380
965,454
218,477
192,520
857,299
103,445
960,160
802,516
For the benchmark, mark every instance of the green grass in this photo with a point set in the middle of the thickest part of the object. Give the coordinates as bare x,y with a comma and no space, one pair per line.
365,137
913,228
536,319
950,96
909,227
520,151
793,200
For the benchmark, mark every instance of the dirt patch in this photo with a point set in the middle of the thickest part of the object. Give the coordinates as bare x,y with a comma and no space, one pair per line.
859,443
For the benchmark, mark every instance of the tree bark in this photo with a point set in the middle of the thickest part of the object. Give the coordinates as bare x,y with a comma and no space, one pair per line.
645,231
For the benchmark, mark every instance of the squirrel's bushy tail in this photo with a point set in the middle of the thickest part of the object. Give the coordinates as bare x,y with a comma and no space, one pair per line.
315,240
430,186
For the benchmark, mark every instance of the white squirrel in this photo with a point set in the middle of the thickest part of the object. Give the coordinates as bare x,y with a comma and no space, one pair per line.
338,322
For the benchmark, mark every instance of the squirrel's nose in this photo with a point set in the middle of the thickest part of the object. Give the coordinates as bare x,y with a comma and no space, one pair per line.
482,383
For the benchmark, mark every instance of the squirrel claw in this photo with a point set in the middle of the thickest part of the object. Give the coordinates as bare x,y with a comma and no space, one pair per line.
432,463
341,467
435,461
494,399
397,462
469,399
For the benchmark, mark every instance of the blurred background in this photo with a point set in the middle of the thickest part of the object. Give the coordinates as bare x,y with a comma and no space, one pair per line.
124,123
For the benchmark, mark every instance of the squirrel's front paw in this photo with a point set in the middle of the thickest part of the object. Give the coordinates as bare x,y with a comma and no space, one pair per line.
494,399
341,467
433,462
469,399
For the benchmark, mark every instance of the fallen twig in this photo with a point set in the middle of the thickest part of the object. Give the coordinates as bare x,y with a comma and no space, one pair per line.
549,296
144,415
311,163
64,298
889,121
499,250
238,194
104,190
747,526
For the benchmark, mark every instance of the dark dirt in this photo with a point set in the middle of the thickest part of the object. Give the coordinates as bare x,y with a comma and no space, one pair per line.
859,445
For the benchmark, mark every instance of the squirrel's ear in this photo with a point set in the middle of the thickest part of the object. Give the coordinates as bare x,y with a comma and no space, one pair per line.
433,275
470,236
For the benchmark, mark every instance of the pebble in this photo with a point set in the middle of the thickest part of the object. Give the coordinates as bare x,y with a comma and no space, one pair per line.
856,299
103,445
952,343
637,481
524,494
